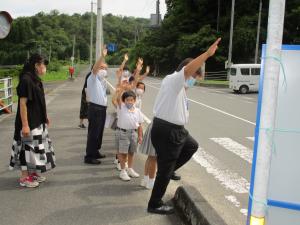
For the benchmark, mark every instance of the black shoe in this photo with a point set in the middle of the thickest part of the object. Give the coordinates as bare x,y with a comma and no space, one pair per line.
82,126
163,210
101,156
175,176
92,161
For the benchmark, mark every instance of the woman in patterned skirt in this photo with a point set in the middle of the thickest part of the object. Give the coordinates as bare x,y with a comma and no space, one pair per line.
32,149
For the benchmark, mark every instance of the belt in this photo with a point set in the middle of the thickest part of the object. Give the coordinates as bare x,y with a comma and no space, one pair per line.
125,129
97,106
167,123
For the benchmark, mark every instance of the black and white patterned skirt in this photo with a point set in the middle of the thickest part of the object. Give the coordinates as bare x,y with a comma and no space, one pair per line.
33,153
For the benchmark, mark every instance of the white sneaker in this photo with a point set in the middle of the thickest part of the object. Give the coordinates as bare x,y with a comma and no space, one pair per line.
150,184
124,176
132,173
116,161
143,183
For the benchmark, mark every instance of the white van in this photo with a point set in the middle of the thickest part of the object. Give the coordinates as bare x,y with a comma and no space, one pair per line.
244,77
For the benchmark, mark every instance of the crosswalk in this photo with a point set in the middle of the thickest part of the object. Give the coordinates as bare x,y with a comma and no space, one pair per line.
228,179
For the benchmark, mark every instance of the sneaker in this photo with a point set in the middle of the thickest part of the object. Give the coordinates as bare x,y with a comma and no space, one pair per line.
132,173
28,182
124,176
38,178
143,183
150,184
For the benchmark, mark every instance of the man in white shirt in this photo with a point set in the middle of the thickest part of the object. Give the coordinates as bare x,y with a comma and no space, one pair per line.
96,91
172,142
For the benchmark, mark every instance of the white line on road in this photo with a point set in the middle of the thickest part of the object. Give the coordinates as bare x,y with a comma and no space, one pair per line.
228,179
234,147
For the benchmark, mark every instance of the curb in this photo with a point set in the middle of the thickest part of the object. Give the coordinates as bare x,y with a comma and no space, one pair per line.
194,209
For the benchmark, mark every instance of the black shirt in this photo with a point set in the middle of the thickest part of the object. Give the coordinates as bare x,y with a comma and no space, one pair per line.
33,90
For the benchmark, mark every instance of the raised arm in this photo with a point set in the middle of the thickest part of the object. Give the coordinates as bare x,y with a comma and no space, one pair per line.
100,62
124,62
145,74
195,64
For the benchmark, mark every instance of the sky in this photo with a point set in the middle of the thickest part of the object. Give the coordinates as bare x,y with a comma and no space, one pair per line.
135,8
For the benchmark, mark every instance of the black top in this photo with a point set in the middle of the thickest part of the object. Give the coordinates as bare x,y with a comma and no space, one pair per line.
85,83
33,90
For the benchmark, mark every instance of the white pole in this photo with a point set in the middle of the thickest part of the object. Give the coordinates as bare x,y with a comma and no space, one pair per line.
91,37
268,109
99,39
258,32
231,33
73,51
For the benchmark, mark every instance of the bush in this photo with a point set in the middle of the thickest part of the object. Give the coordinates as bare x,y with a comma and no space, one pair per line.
54,66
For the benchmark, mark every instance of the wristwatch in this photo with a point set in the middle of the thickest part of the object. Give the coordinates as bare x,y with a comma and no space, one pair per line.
5,24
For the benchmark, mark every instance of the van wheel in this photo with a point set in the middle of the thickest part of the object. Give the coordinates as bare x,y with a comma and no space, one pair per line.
244,89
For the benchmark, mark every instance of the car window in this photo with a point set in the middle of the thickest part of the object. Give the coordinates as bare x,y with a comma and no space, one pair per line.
245,71
232,71
255,71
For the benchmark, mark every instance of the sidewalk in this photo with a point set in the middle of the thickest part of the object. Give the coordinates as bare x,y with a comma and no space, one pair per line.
74,193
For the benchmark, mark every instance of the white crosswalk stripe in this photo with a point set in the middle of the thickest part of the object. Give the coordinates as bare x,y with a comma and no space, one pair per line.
235,147
228,179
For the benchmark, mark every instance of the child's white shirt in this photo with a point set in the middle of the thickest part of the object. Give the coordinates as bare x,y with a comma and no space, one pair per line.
129,119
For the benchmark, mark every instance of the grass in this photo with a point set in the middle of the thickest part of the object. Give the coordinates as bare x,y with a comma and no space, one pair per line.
215,82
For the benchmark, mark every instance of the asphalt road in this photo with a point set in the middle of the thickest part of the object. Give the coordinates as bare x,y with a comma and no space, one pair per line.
223,123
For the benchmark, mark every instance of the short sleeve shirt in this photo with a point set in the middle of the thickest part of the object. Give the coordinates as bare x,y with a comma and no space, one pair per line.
171,103
96,89
36,104
129,119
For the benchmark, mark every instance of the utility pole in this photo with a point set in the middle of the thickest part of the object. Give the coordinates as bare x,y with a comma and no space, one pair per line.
73,51
99,37
91,36
231,34
218,18
258,32
268,111
157,12
49,59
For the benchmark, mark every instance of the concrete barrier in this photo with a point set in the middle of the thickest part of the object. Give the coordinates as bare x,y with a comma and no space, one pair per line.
194,209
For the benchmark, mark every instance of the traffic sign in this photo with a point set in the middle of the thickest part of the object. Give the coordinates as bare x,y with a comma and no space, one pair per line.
111,47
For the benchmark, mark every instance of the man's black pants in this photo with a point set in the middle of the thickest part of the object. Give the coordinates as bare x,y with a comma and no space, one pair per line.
96,117
174,147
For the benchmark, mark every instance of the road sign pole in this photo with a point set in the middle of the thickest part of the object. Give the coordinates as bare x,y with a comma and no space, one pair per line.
268,111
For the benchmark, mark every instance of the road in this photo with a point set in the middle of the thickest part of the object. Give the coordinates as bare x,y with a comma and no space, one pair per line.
223,123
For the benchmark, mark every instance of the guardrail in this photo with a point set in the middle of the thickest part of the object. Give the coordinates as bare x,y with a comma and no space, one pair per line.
6,95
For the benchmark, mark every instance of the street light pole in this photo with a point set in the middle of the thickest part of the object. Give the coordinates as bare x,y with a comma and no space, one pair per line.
258,32
91,37
99,38
218,18
231,34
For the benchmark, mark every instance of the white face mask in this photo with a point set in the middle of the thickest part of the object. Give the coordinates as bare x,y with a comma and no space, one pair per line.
102,73
139,91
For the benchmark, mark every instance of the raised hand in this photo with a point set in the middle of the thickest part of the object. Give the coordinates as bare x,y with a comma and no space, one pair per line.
140,61
213,48
104,51
126,57
147,69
